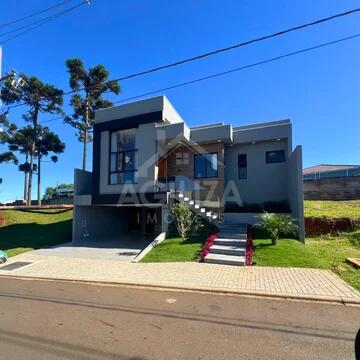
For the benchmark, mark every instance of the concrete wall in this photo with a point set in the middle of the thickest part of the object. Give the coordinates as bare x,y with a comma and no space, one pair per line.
295,189
98,223
264,132
82,182
265,182
158,103
341,188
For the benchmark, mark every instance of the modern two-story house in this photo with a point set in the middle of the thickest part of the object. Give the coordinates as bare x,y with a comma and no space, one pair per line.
144,153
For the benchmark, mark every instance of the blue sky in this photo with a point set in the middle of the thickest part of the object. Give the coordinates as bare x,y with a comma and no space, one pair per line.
319,91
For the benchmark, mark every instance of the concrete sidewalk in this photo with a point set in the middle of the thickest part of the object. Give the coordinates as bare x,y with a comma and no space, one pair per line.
267,281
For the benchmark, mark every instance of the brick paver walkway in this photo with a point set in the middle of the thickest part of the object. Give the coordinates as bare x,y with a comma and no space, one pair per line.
287,282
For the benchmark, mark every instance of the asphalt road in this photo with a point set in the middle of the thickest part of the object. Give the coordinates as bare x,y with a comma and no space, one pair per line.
58,320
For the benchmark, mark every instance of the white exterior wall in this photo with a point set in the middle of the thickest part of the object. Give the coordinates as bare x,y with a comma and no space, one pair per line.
265,182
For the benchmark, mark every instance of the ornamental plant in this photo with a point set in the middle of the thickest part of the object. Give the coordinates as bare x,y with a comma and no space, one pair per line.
276,225
183,219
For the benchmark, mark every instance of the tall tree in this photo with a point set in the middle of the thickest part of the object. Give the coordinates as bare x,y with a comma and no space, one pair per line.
48,142
21,141
39,98
91,84
7,129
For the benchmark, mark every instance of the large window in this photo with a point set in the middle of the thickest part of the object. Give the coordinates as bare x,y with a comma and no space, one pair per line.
123,157
273,157
205,165
242,166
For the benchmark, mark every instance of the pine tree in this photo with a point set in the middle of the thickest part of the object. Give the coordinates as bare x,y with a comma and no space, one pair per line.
91,84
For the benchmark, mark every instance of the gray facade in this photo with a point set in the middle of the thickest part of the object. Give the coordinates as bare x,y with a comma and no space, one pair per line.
131,168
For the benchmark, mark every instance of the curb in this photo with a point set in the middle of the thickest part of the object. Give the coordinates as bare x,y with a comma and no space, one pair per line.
219,291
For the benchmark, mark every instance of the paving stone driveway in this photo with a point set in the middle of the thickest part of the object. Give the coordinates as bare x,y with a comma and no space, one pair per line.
284,282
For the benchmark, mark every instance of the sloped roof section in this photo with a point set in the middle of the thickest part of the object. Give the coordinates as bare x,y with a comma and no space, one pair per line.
325,167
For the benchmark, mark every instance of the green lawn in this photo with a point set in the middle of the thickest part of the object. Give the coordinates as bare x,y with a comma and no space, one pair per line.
350,208
28,230
176,249
324,253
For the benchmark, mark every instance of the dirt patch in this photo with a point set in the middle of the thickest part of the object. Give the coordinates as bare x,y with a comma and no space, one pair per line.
315,226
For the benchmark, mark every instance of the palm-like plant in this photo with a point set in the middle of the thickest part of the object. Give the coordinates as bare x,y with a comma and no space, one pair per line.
276,225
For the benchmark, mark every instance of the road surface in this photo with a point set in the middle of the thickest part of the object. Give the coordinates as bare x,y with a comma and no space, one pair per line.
61,320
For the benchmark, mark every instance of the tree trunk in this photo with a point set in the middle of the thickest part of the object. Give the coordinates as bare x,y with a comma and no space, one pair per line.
86,132
26,180
32,154
84,151
39,181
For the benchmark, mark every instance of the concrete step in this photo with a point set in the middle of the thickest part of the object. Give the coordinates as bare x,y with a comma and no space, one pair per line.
233,228
208,213
225,259
230,242
228,235
202,210
227,250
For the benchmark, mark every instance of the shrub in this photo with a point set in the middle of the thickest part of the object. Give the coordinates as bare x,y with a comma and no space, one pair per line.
277,225
183,219
354,238
198,224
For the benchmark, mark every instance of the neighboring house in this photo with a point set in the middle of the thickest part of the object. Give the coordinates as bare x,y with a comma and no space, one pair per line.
144,152
332,182
324,171
60,196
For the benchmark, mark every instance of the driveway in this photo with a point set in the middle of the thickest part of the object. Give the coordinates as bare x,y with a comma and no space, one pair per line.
125,249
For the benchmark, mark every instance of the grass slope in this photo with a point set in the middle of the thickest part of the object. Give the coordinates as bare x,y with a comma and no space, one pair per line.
324,253
350,208
176,250
28,230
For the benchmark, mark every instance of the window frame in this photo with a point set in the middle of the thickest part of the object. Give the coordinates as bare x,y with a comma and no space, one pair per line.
242,167
217,168
133,152
275,162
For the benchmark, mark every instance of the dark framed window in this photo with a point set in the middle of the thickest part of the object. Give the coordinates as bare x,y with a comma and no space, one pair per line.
123,157
273,157
242,166
205,165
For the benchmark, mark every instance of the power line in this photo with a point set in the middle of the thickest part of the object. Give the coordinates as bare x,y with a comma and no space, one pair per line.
43,22
263,62
29,24
241,68
221,50
34,14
